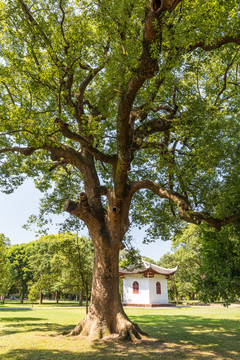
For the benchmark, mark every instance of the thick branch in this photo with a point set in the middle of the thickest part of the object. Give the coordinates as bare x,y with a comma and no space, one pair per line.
27,151
82,88
225,79
147,67
218,223
153,126
57,152
98,155
9,93
139,144
184,208
62,30
227,39
83,211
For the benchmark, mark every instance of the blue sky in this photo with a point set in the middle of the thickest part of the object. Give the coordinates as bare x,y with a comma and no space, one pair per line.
18,206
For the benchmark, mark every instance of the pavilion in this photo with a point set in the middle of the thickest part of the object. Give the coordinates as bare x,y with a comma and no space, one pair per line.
145,285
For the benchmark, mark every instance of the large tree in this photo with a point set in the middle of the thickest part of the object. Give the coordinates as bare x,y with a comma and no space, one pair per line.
186,255
134,105
18,256
74,259
219,277
5,268
45,273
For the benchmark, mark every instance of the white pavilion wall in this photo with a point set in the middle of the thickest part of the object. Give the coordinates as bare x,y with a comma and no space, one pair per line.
147,290
153,296
142,297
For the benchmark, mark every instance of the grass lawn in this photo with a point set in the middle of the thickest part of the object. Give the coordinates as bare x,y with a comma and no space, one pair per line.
46,303
188,333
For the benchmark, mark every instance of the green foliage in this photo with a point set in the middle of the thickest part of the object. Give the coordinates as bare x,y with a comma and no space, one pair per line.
208,263
129,257
41,256
6,270
220,264
37,57
61,263
33,293
186,255
18,256
151,261
77,263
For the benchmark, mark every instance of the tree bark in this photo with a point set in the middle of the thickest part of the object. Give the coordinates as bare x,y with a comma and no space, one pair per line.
106,317
21,297
176,293
80,297
40,296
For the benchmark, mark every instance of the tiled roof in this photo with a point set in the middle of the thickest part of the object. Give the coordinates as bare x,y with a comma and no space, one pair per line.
145,266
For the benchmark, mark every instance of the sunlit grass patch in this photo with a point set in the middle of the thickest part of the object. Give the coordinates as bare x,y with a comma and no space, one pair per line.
211,333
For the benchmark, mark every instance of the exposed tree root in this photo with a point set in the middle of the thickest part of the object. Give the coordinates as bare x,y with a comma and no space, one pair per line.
131,332
123,329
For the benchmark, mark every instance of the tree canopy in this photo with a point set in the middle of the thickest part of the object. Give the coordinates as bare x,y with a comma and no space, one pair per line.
208,263
219,274
186,254
5,268
74,76
134,105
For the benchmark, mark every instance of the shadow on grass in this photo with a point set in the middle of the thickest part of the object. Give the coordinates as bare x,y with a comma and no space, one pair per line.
179,338
12,309
31,327
221,336
16,325
20,319
104,351
148,350
16,304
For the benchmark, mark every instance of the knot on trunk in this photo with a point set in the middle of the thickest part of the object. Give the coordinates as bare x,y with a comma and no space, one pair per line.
158,5
78,208
84,201
28,151
116,210
70,206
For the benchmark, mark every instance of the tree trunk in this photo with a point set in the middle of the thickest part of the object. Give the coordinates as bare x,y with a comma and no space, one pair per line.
176,293
40,297
21,298
57,295
106,316
3,299
86,298
80,297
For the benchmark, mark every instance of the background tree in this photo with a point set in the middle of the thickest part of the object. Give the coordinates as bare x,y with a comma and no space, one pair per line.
134,105
168,261
6,270
219,278
33,293
41,260
186,255
77,265
18,256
